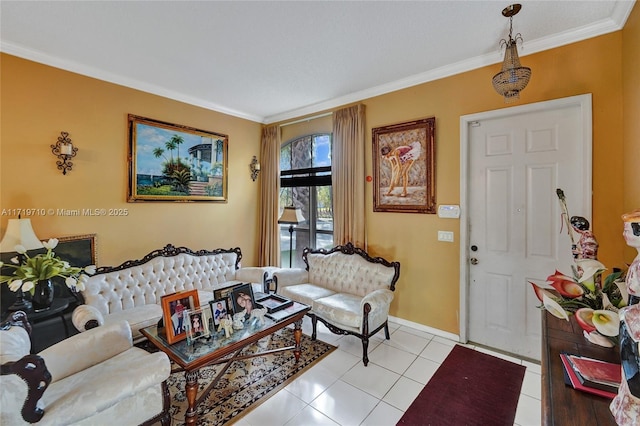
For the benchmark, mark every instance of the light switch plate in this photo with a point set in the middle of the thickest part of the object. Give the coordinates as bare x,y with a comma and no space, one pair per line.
449,211
445,236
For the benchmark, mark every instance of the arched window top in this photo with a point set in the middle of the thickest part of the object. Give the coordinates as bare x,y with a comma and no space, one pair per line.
306,152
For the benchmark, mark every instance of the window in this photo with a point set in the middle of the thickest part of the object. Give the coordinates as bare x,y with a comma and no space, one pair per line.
305,183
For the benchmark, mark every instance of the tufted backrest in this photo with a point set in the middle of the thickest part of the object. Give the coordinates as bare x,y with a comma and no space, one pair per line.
347,269
138,283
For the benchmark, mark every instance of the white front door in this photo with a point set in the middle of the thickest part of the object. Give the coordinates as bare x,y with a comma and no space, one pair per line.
517,158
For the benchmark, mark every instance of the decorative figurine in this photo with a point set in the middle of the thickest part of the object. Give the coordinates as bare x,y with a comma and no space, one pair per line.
631,235
587,247
625,407
226,324
259,314
238,320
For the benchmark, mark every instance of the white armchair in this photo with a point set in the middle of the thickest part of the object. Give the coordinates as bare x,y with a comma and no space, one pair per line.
92,378
348,290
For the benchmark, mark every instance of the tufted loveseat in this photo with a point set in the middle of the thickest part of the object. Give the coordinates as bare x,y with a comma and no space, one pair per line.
348,290
133,290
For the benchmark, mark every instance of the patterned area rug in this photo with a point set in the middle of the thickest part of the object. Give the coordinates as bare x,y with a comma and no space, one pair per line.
246,383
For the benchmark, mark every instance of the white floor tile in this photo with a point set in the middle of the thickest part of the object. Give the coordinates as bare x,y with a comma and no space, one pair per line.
345,404
373,379
419,333
532,385
533,367
407,342
528,412
444,341
383,414
311,417
339,362
353,345
276,411
391,358
436,351
421,370
312,383
403,393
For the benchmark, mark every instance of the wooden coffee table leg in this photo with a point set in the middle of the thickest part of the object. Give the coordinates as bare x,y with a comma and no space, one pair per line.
297,335
191,389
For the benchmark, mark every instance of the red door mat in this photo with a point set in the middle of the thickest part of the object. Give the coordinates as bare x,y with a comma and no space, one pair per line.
469,388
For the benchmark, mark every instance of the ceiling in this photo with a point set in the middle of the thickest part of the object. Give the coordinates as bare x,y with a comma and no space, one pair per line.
270,61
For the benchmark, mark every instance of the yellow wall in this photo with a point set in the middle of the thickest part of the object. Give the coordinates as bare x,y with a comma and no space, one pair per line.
38,102
631,113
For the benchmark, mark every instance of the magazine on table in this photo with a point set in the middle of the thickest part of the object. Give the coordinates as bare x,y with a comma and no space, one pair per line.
572,379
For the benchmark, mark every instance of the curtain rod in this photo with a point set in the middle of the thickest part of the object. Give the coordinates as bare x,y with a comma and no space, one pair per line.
306,119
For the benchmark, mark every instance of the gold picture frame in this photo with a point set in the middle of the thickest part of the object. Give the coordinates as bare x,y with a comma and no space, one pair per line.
170,162
404,167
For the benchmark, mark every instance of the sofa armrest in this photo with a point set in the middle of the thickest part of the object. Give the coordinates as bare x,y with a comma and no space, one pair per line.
290,276
256,274
32,370
79,352
86,317
377,299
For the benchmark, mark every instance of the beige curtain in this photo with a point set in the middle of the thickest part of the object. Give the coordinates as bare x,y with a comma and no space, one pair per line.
348,176
269,194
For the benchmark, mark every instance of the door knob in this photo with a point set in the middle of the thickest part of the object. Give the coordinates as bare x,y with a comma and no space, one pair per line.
473,261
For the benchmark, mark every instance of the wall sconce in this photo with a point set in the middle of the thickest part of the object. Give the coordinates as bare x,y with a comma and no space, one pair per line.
64,150
255,168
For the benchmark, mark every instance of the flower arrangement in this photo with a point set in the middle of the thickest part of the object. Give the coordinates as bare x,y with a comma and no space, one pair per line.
595,304
43,267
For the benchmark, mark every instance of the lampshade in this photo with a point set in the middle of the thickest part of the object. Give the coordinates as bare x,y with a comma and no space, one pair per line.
19,232
513,77
292,216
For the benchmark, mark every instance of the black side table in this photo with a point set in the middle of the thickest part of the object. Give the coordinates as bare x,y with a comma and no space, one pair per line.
57,309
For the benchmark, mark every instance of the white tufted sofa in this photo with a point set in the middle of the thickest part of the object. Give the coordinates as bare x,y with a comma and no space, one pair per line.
133,290
349,291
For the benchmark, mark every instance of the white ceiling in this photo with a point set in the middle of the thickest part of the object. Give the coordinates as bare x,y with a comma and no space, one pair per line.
269,61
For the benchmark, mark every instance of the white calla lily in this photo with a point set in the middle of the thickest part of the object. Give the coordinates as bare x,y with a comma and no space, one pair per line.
606,322
590,267
91,269
20,249
622,286
70,282
598,339
553,307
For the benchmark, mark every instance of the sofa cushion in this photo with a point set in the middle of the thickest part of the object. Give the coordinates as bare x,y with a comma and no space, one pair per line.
138,317
341,309
102,386
305,293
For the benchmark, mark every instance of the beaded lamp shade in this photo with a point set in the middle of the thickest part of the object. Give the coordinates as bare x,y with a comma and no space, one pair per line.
513,77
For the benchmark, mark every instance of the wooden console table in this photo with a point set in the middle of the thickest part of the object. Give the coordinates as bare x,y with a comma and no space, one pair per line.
561,404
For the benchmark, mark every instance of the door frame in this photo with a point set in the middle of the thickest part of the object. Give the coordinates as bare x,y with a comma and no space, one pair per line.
585,105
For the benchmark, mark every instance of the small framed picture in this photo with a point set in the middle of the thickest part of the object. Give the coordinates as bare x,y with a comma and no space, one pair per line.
242,298
197,323
173,309
219,310
225,293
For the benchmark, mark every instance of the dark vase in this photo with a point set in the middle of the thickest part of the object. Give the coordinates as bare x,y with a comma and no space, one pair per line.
43,295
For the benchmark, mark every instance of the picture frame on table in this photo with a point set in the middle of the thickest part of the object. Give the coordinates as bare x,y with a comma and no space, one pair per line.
172,162
173,313
225,293
220,309
197,321
242,299
404,167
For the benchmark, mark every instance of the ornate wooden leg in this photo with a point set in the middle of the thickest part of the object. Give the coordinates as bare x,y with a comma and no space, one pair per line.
314,331
191,388
297,335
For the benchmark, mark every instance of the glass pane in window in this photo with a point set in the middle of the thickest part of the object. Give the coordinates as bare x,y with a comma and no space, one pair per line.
324,208
285,157
321,150
301,153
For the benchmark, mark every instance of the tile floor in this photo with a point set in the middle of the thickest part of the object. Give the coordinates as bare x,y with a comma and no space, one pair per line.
339,390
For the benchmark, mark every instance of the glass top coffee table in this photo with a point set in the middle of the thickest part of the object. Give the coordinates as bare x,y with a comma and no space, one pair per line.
222,350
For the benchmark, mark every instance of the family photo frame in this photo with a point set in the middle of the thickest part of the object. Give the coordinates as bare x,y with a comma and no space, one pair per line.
171,162
404,167
243,299
174,307
197,321
219,310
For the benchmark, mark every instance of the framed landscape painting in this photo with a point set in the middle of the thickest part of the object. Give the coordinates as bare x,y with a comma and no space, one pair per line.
169,162
404,167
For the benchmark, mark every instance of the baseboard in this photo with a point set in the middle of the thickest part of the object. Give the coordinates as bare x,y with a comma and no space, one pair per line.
425,328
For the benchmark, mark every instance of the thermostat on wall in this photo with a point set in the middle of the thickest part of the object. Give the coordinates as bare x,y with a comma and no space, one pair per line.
449,211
